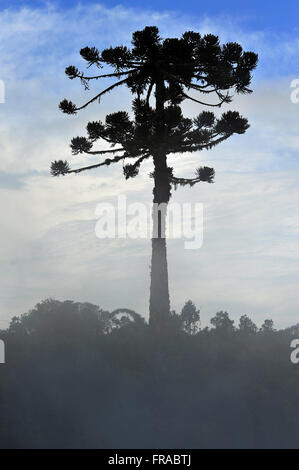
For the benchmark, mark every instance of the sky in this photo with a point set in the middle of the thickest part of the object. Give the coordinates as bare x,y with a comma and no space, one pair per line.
249,260
273,16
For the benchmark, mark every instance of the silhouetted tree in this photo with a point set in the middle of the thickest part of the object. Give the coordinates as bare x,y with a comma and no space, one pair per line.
123,317
267,326
171,68
72,318
246,325
222,322
190,318
66,318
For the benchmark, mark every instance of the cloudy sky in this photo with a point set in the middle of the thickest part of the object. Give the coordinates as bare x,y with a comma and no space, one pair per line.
249,261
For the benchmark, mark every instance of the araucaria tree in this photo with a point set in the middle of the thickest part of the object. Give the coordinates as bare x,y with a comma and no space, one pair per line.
161,74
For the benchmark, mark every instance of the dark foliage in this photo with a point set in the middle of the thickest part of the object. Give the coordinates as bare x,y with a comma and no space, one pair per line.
81,377
59,167
168,69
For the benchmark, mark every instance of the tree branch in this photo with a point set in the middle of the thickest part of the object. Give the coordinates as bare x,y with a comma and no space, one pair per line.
149,91
106,162
101,152
115,74
194,148
102,93
195,86
184,181
218,105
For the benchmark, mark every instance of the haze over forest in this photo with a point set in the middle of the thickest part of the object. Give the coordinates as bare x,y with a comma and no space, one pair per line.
249,259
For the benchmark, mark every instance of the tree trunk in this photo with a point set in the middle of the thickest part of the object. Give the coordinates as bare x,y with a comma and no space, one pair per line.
159,291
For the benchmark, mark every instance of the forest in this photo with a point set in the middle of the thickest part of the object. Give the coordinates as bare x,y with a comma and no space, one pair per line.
77,376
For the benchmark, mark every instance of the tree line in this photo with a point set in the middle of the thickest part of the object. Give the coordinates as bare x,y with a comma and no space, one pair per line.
78,376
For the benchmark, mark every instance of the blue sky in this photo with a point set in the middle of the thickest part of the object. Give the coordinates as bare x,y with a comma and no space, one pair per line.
249,262
277,21
272,16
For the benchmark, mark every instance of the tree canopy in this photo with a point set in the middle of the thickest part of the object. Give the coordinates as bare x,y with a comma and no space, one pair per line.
192,63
